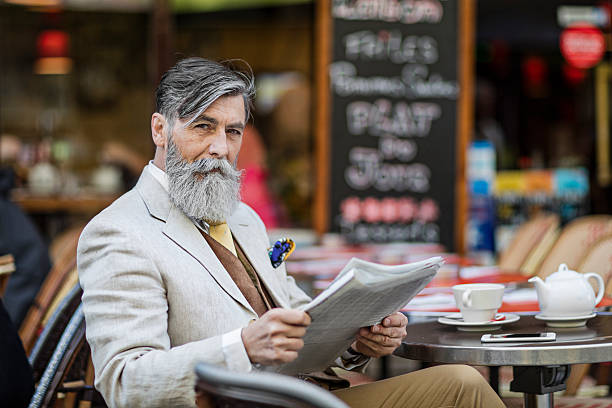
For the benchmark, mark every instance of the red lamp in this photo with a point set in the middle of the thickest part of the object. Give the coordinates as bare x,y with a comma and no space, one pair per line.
52,47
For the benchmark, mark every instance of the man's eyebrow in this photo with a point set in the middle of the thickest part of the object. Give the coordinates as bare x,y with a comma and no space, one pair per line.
237,125
204,118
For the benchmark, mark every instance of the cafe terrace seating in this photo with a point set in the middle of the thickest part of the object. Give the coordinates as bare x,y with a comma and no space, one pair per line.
575,241
60,355
597,260
582,242
585,242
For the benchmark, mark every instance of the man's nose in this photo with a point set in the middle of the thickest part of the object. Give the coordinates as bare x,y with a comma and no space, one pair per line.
218,146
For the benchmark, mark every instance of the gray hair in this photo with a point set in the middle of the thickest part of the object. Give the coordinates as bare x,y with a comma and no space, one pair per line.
193,84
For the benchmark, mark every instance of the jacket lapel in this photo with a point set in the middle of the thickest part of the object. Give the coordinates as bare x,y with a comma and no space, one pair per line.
155,198
182,231
256,250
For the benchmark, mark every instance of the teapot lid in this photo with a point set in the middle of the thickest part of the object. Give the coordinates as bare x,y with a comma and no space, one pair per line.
563,273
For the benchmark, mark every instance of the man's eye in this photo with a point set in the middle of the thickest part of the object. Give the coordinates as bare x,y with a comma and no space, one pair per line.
235,132
203,126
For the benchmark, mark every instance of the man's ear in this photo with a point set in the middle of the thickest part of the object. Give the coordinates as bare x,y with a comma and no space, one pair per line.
159,130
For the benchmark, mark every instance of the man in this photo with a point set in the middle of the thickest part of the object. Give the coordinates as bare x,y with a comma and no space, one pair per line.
176,271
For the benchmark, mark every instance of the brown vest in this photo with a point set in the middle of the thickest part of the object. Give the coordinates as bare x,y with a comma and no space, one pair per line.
243,274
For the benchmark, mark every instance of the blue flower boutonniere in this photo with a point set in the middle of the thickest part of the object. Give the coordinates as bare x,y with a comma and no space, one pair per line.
280,251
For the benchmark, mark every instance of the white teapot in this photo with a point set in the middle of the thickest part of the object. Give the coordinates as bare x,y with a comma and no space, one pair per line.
567,293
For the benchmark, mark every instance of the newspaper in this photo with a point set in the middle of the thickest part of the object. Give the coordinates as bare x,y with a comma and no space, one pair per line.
362,294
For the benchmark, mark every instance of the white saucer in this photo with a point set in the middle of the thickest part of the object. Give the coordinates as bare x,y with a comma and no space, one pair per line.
565,321
454,319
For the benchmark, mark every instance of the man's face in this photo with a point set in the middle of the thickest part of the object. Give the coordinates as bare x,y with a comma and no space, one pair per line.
216,133
200,158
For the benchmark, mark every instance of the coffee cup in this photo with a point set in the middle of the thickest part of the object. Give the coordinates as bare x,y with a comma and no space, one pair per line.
478,302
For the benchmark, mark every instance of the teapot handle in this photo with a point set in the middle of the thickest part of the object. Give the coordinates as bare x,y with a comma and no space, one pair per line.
600,282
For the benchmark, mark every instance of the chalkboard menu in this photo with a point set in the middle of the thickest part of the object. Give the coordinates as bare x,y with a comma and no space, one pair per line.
394,90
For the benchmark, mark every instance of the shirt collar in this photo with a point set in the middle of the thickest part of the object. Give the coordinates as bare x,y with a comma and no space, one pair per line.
158,174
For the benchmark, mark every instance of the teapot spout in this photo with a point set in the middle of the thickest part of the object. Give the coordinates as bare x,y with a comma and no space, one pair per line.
537,281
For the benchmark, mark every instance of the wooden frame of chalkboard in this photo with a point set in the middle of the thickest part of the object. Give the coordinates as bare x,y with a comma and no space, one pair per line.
391,127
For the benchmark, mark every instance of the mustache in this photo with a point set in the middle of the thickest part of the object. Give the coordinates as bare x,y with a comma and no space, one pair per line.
211,165
191,173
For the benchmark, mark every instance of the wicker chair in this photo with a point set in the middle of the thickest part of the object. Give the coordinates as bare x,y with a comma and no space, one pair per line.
64,267
597,260
530,244
62,359
576,240
48,339
7,267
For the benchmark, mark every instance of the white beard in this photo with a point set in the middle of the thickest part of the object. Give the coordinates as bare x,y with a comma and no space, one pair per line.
201,194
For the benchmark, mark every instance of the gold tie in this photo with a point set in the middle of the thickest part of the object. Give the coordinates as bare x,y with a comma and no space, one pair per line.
222,234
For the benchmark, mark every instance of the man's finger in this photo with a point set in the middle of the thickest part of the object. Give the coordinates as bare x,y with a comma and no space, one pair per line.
286,356
291,316
388,346
389,332
378,339
296,332
382,339
289,344
395,320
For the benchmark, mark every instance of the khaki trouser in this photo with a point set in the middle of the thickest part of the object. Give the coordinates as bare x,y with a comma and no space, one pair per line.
434,387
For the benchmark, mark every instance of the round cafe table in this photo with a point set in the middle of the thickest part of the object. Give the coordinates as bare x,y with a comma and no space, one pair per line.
539,368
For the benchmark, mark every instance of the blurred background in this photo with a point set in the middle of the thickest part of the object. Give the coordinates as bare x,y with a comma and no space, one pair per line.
76,94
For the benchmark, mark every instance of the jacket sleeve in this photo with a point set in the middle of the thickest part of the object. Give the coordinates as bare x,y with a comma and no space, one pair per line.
126,312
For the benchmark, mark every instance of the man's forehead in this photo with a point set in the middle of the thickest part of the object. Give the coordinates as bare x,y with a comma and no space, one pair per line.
223,104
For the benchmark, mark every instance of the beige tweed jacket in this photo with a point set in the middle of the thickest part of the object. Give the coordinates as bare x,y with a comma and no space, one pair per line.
157,300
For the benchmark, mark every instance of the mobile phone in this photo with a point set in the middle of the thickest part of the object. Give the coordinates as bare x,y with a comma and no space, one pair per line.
516,337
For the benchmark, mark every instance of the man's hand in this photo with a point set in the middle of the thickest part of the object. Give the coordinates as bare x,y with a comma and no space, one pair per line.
276,337
381,339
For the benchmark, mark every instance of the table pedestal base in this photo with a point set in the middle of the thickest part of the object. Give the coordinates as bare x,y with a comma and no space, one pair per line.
539,400
539,383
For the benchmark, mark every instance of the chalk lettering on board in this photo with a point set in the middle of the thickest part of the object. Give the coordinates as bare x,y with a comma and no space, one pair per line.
383,117
415,81
403,11
416,231
390,45
422,84
389,209
345,82
364,162
368,170
394,148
